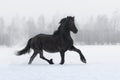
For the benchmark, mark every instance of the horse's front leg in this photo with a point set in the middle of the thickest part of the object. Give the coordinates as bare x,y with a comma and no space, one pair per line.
62,54
80,53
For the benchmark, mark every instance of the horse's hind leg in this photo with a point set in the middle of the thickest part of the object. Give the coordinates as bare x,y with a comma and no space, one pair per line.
42,57
78,51
32,57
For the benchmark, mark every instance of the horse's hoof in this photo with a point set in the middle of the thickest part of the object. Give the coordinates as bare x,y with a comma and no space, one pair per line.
29,63
61,63
84,60
51,61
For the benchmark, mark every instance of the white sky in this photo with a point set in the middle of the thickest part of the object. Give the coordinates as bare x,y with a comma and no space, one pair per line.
79,8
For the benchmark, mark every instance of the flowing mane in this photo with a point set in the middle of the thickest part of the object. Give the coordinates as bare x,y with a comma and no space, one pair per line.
62,23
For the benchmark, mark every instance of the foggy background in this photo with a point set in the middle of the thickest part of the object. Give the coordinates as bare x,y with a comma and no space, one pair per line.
98,21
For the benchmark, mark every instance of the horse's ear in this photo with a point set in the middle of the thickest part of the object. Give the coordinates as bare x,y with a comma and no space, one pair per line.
68,17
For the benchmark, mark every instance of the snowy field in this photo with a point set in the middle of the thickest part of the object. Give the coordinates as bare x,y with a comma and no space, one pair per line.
103,63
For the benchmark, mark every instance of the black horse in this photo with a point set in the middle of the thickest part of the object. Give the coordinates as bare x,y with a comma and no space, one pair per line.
60,41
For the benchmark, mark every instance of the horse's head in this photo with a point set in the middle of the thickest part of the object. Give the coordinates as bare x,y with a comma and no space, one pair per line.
71,24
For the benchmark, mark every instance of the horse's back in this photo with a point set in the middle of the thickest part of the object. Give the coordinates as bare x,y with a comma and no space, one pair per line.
45,42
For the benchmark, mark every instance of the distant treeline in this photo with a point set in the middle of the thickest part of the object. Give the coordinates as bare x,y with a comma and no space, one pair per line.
102,30
98,30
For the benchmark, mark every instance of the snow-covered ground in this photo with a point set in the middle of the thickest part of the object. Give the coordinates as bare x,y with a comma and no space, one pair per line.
103,63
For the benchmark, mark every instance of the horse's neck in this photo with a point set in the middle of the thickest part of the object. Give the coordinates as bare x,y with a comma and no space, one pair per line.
65,33
62,32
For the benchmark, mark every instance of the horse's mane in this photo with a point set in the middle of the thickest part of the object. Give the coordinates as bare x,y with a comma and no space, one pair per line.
59,28
56,32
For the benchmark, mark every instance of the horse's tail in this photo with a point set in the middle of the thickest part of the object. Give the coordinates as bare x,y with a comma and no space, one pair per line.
26,49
